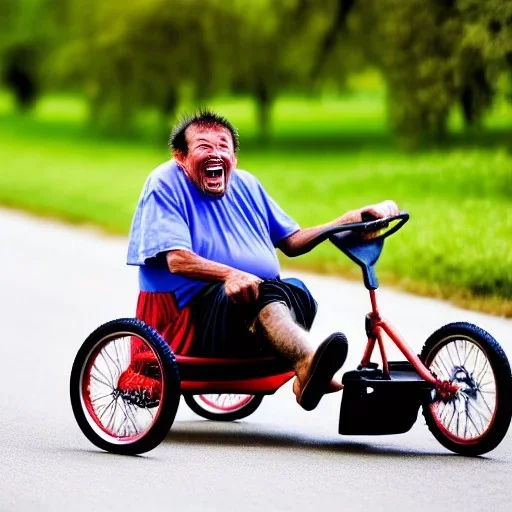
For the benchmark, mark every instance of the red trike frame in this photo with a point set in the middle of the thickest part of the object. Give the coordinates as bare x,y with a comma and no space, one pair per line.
378,326
258,384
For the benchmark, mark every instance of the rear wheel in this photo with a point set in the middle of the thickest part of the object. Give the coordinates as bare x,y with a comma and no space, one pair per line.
125,387
474,419
223,407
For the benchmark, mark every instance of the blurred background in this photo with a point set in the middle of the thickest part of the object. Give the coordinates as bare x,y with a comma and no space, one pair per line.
339,103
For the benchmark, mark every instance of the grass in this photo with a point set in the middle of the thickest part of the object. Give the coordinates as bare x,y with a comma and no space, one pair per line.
327,156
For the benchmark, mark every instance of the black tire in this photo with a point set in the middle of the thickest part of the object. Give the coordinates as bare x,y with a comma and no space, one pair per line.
478,417
94,389
209,406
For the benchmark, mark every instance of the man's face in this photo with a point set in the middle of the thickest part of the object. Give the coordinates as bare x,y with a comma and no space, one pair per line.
210,158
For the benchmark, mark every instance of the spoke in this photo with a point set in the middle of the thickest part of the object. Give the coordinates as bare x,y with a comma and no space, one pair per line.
118,356
96,398
131,414
440,372
102,354
471,349
482,372
108,384
118,367
450,356
110,425
480,415
102,374
100,409
127,417
453,415
443,412
122,427
457,351
472,422
485,402
478,353
466,428
465,345
105,408
457,427
443,373
441,359
434,367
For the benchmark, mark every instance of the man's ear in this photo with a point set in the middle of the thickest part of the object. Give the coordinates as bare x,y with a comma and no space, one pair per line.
180,157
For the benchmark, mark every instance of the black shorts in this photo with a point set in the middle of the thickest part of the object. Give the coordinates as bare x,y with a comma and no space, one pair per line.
222,328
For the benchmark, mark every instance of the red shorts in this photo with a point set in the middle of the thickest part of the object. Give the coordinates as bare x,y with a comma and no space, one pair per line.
159,310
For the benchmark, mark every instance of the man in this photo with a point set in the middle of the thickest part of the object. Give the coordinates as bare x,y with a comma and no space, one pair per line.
204,236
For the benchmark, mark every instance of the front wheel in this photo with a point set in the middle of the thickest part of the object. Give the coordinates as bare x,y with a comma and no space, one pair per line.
474,419
223,407
125,387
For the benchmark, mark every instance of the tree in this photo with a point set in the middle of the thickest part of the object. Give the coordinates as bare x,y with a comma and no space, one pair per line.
435,55
133,55
23,40
485,51
277,44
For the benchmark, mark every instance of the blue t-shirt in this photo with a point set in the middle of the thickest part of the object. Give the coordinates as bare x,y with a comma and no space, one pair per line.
240,229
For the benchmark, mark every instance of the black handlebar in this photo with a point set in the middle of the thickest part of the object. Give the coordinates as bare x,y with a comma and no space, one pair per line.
337,233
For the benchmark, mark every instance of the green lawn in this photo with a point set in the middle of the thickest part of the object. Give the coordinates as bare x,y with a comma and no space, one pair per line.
327,156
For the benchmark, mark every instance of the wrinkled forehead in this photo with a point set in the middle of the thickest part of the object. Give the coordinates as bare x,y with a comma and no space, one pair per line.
210,132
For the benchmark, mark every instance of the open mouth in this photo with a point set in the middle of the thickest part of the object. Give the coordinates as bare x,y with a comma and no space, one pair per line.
214,176
213,170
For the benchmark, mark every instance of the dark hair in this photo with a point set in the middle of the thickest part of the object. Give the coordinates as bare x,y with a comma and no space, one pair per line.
202,118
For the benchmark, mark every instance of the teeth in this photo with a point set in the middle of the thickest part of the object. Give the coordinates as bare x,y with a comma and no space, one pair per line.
214,170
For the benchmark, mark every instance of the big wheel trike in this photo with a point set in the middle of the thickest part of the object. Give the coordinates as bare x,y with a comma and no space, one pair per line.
126,382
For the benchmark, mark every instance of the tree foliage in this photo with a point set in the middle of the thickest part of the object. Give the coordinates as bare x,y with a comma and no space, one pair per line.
131,54
436,54
127,55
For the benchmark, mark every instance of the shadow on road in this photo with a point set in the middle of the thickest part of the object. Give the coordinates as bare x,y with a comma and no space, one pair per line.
242,435
255,435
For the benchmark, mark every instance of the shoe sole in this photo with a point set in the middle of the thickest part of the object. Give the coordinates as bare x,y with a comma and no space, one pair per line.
328,359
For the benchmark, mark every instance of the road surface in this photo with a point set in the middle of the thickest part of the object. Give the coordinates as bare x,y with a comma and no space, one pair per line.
58,283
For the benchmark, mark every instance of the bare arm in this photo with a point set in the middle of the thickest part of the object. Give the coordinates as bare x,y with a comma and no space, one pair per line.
240,286
295,244
189,264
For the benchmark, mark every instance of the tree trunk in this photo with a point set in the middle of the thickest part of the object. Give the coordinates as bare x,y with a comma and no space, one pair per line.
168,110
20,75
264,101
439,128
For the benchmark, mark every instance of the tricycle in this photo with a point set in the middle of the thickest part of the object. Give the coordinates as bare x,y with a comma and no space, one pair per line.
126,382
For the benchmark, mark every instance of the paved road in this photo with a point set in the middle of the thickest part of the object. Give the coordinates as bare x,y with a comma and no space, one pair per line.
57,284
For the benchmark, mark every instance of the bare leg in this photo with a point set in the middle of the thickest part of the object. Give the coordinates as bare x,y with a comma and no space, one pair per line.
290,340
